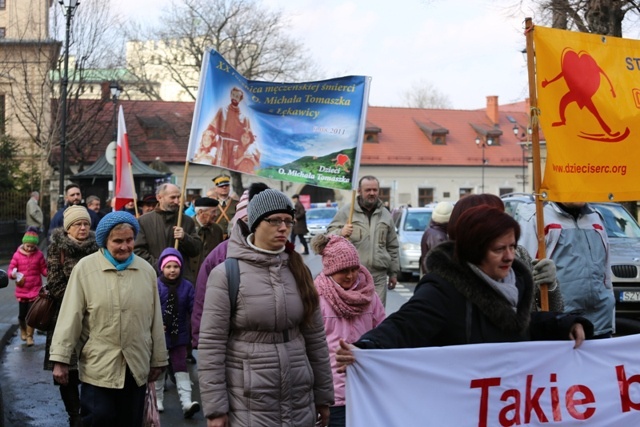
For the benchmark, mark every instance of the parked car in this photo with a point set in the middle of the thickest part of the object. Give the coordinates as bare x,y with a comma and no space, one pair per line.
623,232
318,219
410,225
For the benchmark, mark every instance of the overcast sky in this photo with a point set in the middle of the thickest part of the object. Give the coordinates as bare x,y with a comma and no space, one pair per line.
466,49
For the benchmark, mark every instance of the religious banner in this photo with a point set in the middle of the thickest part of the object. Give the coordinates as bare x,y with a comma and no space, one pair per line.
588,93
538,383
307,132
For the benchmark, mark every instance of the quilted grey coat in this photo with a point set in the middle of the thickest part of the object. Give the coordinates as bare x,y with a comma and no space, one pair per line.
263,366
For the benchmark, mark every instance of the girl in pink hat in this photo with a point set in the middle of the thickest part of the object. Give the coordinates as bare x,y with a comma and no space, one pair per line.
348,302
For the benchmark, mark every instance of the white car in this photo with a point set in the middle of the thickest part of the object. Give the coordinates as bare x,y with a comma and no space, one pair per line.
410,225
318,219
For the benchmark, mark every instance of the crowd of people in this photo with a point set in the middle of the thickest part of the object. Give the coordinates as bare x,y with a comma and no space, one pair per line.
134,296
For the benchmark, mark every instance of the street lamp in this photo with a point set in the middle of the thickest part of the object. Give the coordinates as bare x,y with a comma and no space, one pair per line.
482,144
69,7
115,90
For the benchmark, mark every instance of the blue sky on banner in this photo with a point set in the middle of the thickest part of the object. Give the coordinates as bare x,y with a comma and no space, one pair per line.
466,50
282,137
304,131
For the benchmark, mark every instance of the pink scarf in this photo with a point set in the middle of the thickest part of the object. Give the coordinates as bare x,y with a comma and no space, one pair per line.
348,303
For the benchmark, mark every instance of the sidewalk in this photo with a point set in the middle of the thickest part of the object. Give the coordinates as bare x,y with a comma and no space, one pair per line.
8,327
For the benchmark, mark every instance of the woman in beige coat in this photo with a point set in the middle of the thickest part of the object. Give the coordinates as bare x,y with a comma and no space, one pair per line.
266,362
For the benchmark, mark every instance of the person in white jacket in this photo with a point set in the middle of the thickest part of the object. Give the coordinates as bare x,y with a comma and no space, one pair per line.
576,240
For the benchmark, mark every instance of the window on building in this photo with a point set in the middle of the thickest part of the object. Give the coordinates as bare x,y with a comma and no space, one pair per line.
425,196
446,195
504,191
3,4
3,31
371,137
385,194
2,114
465,192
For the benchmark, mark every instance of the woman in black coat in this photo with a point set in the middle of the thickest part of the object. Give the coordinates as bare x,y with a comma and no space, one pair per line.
475,292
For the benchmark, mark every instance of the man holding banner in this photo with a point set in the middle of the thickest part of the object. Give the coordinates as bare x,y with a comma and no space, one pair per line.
372,232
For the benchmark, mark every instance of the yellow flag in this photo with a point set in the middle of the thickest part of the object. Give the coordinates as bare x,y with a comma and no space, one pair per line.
588,89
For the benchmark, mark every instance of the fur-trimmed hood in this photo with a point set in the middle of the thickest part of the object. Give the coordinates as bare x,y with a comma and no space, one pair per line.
443,268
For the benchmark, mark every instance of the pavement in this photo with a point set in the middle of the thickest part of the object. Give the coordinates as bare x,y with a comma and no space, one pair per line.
28,396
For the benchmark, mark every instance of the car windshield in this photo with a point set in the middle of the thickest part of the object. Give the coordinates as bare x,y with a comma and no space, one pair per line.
321,213
618,222
417,221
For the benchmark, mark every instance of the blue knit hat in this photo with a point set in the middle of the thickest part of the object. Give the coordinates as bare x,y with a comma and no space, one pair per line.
112,219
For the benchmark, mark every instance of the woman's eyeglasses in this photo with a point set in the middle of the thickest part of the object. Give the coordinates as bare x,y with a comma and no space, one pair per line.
80,224
277,222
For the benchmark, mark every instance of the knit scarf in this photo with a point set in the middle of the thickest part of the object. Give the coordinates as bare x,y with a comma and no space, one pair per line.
170,314
505,287
347,303
119,265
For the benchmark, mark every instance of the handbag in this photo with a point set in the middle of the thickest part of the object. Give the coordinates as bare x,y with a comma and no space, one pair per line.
40,315
151,413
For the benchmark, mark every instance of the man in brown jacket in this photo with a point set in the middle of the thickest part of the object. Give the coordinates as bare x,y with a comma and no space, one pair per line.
159,230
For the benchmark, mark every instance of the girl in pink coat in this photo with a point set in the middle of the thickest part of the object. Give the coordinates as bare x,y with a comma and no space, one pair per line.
349,304
27,267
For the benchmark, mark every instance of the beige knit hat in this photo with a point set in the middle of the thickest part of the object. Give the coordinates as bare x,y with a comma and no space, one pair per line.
74,214
442,212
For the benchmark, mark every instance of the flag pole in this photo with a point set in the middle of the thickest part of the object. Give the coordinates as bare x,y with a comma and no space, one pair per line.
184,186
534,112
135,195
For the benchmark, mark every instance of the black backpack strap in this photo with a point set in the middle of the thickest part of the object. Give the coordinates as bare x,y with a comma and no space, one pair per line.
233,281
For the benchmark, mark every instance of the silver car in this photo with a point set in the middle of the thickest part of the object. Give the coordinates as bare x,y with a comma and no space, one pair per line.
410,225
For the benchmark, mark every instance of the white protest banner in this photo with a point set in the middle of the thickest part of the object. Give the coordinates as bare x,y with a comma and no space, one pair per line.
523,384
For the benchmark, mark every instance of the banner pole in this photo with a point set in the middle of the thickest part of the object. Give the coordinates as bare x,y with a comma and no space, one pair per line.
135,194
353,201
184,188
535,151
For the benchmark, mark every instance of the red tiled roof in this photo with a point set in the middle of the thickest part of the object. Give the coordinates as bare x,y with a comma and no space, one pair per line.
161,129
402,142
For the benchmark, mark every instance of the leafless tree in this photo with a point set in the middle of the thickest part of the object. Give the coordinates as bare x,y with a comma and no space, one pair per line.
251,37
30,73
424,94
588,16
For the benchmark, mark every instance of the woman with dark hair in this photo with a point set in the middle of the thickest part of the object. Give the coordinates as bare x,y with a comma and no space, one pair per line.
476,291
543,270
265,361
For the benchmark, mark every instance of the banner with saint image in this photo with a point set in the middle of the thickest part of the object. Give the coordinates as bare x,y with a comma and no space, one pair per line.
307,132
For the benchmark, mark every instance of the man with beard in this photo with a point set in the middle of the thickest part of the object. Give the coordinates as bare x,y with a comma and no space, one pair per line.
159,230
72,196
373,233
225,131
